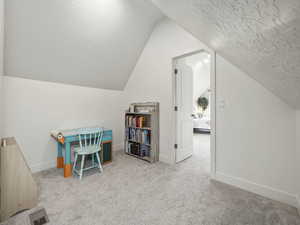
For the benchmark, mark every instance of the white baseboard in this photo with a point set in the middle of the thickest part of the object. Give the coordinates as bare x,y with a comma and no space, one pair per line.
259,189
118,147
43,166
298,203
165,159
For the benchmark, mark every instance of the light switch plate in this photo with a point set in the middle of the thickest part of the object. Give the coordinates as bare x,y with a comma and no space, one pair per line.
222,104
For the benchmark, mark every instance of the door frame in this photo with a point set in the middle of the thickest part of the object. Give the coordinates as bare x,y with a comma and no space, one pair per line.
212,107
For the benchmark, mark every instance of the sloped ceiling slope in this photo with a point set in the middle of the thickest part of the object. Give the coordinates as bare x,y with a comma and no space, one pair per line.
83,42
261,37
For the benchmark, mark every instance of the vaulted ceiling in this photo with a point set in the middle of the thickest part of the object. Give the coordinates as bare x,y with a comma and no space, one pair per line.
97,42
83,42
261,37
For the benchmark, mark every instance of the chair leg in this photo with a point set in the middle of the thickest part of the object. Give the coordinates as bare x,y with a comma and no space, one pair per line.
75,162
99,162
93,160
82,165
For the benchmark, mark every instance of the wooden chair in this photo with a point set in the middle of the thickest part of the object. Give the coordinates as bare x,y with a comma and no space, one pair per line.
90,140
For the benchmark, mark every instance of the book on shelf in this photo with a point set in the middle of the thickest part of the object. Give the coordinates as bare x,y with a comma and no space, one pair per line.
138,149
137,135
136,121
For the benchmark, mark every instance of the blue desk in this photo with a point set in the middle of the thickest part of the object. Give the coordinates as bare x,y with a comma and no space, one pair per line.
71,136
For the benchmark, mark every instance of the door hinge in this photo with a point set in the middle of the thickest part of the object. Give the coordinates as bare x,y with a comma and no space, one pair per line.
175,71
176,108
175,146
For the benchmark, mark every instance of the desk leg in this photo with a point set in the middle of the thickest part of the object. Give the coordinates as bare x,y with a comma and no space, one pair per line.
60,158
68,165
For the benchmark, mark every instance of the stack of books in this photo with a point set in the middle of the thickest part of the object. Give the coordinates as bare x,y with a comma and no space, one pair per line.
134,148
144,150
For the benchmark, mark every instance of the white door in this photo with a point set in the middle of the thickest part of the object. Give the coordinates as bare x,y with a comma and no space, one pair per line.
184,103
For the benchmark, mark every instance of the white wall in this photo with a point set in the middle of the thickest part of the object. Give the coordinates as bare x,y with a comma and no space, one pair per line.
201,80
255,134
201,83
255,129
1,62
200,64
151,79
34,108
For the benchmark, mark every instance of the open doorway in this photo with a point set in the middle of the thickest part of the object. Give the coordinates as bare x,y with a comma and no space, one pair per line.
194,107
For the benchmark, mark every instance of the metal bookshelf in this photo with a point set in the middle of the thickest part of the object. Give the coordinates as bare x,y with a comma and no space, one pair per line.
150,113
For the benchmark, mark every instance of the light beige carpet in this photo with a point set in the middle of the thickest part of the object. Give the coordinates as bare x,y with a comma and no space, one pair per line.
133,192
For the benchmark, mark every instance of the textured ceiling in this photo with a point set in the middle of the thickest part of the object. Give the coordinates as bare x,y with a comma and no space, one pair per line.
83,42
261,37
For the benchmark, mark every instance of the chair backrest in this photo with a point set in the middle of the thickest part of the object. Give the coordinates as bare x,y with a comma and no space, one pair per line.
90,137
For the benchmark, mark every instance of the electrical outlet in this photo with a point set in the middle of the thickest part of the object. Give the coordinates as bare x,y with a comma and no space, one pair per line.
39,217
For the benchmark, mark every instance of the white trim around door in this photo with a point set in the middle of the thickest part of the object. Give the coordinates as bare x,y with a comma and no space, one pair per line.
213,107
